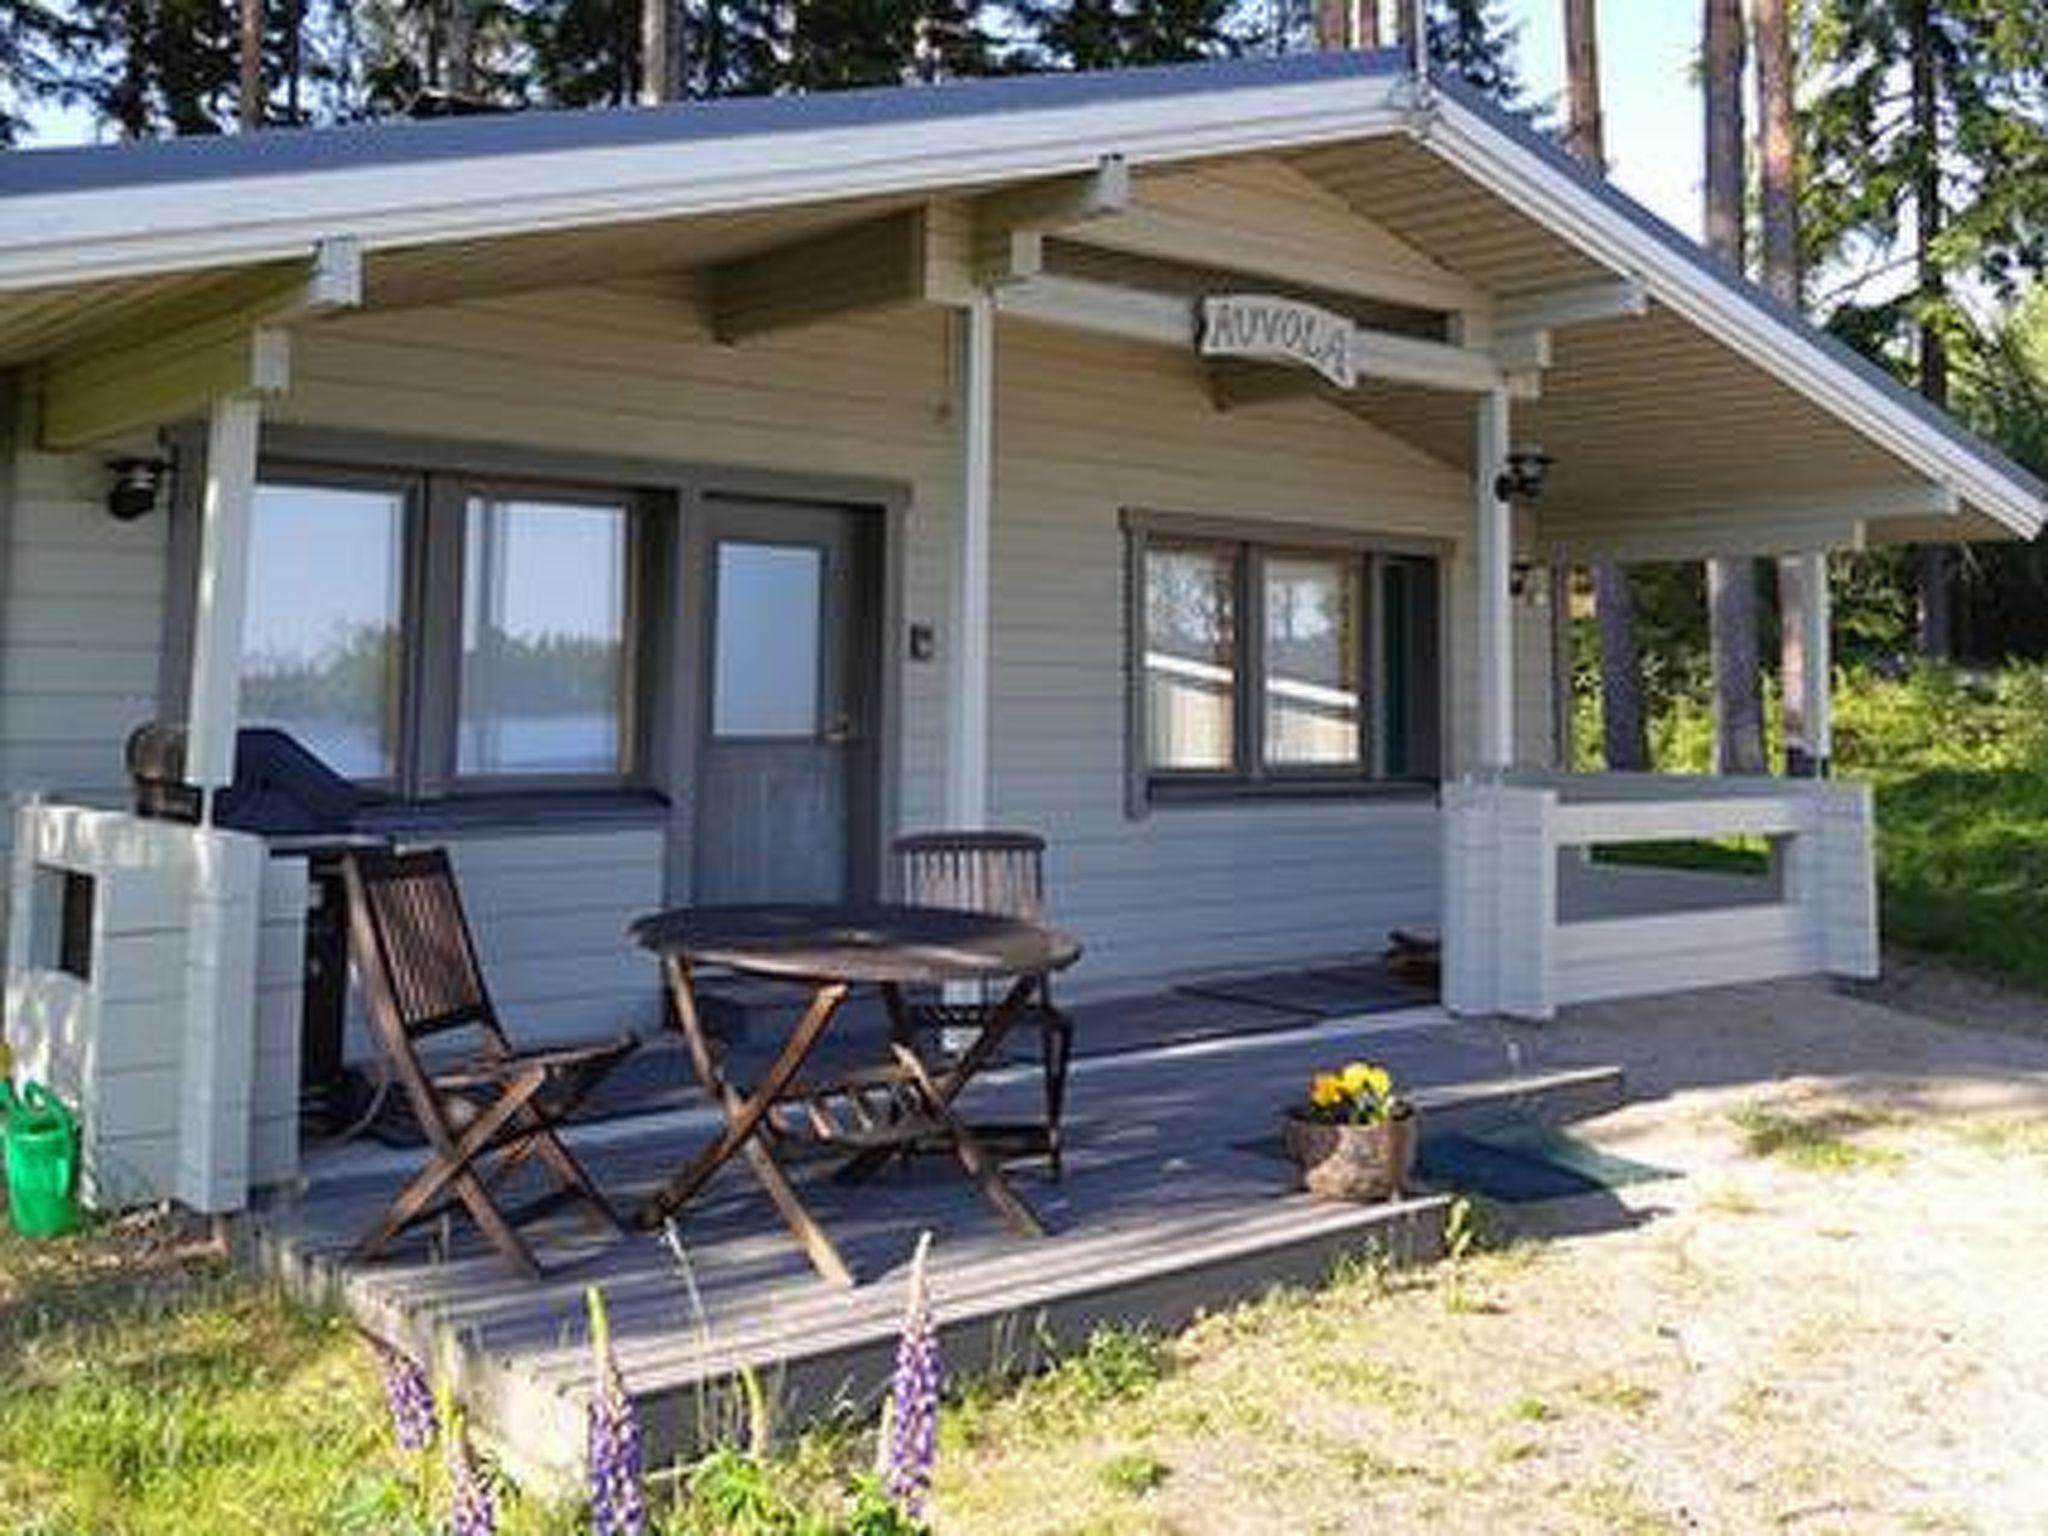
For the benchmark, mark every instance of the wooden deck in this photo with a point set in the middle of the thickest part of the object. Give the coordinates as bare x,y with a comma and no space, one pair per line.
1175,1200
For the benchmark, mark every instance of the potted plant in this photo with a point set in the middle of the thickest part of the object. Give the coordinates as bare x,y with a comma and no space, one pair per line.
1355,1137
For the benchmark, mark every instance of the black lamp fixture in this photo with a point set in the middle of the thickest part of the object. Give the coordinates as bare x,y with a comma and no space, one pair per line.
136,486
1522,474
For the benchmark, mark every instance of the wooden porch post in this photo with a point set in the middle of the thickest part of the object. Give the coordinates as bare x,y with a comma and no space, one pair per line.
1495,607
222,598
967,696
1816,662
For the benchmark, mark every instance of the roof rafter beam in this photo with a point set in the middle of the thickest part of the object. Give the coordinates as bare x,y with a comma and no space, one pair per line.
1169,321
215,340
875,264
1010,226
1617,299
1699,530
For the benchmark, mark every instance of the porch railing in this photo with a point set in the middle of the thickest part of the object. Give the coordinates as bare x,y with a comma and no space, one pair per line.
1538,914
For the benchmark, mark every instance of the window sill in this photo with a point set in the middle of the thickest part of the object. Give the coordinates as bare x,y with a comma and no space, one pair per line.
529,810
1172,793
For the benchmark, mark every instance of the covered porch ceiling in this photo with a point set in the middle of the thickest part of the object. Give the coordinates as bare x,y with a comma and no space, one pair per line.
1671,436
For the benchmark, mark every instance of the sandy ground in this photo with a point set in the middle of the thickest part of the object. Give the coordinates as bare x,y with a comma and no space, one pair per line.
1836,1319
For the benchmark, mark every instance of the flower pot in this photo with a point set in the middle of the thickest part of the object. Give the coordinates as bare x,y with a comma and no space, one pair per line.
1360,1163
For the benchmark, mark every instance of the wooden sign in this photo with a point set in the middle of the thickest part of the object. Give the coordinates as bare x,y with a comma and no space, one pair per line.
1272,329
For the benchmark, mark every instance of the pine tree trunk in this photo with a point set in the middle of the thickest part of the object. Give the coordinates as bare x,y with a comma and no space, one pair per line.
1585,129
1778,203
1333,24
657,52
1731,581
1624,731
1624,738
461,77
1933,566
249,90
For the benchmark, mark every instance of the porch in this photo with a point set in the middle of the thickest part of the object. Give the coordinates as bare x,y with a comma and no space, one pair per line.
1176,1200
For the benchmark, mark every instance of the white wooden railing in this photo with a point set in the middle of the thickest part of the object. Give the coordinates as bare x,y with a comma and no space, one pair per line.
1532,923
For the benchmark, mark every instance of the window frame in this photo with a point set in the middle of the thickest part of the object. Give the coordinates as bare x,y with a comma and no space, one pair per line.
1251,544
432,591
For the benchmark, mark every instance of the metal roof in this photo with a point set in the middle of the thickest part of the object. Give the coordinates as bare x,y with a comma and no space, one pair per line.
293,151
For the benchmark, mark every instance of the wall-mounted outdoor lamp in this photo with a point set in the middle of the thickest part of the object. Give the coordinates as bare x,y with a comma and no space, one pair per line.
135,488
1521,476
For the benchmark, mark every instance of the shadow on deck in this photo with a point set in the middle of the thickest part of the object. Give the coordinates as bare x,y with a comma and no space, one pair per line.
1175,1201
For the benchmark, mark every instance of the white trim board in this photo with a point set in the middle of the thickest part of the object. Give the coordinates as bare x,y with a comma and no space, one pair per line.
183,225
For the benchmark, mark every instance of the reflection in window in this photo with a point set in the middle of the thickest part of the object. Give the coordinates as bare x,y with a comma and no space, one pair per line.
543,682
1190,658
319,639
1312,661
765,654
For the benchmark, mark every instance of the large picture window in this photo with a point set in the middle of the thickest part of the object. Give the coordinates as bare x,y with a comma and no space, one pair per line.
429,634
1299,662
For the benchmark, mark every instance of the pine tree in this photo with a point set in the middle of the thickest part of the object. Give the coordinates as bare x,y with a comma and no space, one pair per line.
1115,34
1474,40
838,43
30,69
1731,580
1926,142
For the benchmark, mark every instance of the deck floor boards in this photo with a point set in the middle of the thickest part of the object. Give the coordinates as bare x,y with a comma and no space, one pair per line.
1174,1200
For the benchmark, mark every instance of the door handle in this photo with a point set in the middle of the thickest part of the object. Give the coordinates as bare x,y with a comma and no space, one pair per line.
840,732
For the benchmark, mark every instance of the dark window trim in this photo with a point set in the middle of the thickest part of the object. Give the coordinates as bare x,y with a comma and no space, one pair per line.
428,674
1251,543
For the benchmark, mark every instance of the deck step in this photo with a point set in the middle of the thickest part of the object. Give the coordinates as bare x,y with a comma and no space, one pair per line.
1175,1202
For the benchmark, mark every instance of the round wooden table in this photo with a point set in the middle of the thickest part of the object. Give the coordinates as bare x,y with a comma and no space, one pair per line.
875,1113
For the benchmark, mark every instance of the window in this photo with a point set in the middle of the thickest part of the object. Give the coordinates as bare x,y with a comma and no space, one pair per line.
320,639
432,634
766,659
1191,657
1306,664
1314,656
543,638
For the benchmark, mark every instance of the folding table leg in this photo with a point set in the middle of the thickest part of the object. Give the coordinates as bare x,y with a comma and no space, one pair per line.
746,1119
974,1157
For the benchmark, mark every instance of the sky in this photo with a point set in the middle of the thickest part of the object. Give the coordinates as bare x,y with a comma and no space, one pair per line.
1651,99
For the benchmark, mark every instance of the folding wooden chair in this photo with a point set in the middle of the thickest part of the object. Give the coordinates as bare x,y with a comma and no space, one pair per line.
483,1115
1001,874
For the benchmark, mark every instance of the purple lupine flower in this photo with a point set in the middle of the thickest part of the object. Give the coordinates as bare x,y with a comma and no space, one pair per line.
618,1503
913,1430
471,1510
409,1395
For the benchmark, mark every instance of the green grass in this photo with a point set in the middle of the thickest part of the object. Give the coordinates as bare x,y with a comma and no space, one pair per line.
144,1385
1721,856
1963,868
1959,763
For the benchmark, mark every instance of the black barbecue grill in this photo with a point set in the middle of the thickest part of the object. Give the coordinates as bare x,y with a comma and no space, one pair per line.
301,808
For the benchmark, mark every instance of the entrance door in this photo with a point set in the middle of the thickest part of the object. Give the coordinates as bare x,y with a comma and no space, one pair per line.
787,781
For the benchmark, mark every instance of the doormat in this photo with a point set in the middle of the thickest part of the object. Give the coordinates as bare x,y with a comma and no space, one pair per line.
1523,1165
1327,992
1517,1165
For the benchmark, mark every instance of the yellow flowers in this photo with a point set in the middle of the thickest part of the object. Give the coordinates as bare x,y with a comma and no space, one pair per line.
1360,1092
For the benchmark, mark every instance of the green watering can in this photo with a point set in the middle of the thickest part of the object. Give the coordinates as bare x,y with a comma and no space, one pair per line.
42,1161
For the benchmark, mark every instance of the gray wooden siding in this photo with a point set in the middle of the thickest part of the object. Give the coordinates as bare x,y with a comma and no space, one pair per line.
81,620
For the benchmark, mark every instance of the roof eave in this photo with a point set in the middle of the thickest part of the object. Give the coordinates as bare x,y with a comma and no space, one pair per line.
66,238
1504,155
